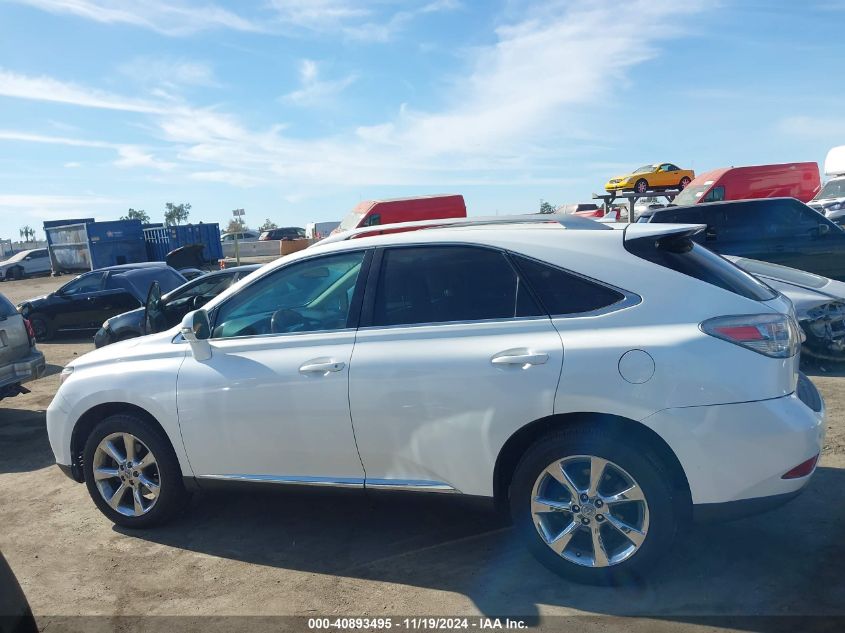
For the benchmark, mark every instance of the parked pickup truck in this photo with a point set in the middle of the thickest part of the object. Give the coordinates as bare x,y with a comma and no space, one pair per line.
20,361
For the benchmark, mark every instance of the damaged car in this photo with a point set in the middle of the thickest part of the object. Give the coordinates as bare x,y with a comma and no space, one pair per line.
819,305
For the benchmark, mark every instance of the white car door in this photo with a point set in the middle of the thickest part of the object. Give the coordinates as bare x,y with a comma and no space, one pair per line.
453,355
271,404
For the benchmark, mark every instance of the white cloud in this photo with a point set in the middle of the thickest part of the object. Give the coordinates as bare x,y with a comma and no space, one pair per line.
167,17
48,89
35,208
131,156
168,72
72,165
316,91
508,117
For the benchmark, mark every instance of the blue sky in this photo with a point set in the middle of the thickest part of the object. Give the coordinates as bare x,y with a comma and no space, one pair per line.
297,109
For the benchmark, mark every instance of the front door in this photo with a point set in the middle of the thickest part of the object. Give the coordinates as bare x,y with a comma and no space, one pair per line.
77,302
272,404
453,355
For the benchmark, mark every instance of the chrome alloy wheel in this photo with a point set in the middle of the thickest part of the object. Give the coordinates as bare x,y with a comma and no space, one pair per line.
589,511
126,474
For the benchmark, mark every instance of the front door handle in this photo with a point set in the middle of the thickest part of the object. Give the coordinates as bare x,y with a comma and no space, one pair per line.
519,357
320,366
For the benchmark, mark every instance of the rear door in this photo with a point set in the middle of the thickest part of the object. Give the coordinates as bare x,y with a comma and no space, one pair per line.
454,354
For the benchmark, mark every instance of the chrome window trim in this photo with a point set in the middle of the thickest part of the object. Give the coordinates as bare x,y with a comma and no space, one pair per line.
416,485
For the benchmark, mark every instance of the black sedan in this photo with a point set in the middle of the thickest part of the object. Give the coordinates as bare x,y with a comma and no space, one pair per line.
87,300
174,305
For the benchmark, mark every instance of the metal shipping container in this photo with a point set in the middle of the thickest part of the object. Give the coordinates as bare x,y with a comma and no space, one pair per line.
160,241
92,245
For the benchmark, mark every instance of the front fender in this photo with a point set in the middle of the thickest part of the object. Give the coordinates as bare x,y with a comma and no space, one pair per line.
145,380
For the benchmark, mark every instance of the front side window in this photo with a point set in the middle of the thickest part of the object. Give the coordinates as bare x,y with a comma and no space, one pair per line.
308,296
84,284
440,284
716,194
213,285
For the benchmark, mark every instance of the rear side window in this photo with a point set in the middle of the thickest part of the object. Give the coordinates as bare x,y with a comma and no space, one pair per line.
683,255
439,284
6,308
561,292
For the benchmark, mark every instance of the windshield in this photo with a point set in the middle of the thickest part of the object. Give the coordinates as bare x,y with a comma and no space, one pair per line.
691,194
644,169
18,256
351,220
833,189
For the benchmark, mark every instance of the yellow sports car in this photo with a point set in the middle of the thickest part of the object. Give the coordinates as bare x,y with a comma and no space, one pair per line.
652,177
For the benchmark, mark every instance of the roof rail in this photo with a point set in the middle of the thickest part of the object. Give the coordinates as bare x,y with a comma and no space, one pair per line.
566,221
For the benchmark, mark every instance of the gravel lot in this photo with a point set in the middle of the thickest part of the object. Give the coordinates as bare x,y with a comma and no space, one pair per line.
285,553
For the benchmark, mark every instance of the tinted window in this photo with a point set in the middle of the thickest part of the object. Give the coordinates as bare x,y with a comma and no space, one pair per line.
212,285
6,308
448,283
303,297
686,257
561,292
84,284
695,215
38,254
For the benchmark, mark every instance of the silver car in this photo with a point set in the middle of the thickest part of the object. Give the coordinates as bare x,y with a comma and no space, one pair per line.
20,361
35,261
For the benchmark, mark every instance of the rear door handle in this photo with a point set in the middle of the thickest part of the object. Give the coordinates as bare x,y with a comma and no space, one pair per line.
319,366
518,357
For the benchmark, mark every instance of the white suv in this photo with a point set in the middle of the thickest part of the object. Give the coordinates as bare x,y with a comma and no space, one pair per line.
605,384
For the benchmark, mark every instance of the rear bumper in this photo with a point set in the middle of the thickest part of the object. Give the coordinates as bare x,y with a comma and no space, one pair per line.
734,453
23,370
730,510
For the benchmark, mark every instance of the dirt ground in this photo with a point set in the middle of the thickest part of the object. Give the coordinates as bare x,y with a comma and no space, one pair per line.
282,553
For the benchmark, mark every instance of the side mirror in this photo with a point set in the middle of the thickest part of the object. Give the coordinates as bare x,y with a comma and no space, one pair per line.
196,329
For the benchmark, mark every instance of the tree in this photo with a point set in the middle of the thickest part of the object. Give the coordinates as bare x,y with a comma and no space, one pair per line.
27,233
175,214
236,226
546,207
137,214
268,224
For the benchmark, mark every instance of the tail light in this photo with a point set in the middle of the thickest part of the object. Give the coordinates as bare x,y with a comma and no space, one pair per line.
773,335
30,332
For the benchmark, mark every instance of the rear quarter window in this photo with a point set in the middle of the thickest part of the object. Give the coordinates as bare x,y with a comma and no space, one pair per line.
562,292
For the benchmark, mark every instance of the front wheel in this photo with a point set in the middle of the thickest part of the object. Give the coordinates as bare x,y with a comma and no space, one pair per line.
132,472
591,508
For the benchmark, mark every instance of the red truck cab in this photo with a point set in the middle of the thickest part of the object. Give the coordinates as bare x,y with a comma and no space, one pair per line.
788,180
378,212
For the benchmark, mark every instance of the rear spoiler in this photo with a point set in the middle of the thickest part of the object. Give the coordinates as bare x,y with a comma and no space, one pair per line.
655,230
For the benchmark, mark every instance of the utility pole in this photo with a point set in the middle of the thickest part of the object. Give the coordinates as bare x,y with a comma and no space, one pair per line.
238,214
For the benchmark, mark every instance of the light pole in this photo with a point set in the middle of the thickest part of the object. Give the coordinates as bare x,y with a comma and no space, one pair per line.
238,214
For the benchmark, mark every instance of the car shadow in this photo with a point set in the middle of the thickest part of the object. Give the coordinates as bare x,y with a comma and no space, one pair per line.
23,440
731,570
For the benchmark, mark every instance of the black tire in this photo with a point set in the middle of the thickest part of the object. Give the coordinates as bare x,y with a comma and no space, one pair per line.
641,186
42,326
172,496
684,182
639,461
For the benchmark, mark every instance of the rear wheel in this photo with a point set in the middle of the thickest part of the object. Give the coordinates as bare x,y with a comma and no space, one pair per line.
591,508
641,186
684,182
132,472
